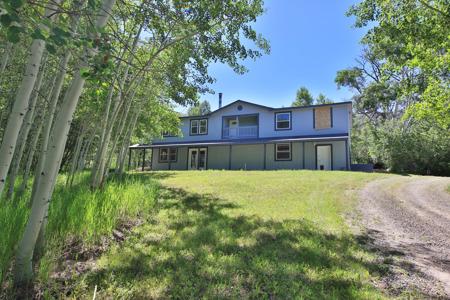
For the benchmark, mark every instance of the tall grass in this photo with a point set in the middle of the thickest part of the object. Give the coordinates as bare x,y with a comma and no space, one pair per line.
78,212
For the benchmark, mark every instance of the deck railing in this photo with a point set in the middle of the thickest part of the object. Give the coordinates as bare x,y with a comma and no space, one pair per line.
240,132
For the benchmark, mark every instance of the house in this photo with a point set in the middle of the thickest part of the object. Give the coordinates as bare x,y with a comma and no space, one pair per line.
249,136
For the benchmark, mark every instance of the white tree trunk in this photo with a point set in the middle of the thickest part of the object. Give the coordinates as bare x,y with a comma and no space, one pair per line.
126,143
20,106
76,155
98,171
25,130
23,266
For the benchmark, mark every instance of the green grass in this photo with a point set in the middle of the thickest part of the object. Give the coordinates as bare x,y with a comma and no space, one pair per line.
238,234
76,213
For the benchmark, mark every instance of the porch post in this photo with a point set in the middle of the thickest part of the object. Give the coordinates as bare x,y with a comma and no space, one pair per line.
229,158
129,159
303,155
143,161
265,156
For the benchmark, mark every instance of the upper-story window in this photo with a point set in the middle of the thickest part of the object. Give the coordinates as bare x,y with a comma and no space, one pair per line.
283,120
167,133
199,127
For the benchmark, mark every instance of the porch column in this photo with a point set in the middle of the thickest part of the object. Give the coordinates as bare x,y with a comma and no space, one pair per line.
143,161
229,157
129,159
265,155
303,155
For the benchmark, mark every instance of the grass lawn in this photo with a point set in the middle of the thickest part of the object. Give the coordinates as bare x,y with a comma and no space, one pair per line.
241,234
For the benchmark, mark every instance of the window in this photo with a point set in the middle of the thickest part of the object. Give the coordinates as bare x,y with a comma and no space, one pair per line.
282,151
167,133
167,154
199,127
283,121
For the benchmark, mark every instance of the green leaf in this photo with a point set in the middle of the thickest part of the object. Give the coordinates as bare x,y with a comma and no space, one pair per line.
5,20
16,3
13,34
37,35
50,48
84,72
91,3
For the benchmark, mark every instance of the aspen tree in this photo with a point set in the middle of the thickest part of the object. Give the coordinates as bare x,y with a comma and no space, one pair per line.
25,130
21,100
23,271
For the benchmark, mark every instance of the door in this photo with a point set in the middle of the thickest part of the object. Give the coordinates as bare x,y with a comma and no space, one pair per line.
197,158
323,157
233,127
192,159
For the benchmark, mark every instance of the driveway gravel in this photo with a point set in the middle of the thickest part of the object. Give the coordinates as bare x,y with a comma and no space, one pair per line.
406,219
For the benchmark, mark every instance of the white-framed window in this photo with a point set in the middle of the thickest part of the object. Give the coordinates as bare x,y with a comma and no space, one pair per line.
199,127
283,151
283,120
167,154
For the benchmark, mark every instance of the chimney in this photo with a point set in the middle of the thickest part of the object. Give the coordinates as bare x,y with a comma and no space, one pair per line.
220,100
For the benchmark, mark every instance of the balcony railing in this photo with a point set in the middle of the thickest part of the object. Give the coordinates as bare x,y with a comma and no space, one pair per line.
240,132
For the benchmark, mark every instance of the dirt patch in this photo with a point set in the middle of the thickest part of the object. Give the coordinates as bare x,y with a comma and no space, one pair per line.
406,220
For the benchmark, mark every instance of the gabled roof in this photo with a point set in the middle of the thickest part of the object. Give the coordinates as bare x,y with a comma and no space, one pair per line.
268,107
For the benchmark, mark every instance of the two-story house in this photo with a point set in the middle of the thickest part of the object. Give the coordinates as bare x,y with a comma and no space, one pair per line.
244,135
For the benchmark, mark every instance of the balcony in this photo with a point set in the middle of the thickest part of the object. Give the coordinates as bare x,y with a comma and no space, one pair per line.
240,127
241,132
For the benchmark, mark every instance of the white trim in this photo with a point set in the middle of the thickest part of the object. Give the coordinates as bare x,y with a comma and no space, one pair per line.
283,151
276,120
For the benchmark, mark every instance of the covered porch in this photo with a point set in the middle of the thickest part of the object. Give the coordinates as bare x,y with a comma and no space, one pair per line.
240,126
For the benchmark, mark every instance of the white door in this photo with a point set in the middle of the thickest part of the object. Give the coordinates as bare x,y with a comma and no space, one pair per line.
197,158
193,159
323,153
233,127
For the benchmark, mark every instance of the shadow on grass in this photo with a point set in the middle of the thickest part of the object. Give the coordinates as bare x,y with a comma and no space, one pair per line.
195,248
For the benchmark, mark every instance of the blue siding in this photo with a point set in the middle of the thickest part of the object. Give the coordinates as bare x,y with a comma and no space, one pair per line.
302,122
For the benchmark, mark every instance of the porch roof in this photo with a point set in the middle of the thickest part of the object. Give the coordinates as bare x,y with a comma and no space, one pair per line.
340,136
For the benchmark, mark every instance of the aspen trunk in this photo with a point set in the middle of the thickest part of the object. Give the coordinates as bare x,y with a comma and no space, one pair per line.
87,147
35,139
49,119
21,101
101,163
23,271
30,158
125,144
26,126
76,154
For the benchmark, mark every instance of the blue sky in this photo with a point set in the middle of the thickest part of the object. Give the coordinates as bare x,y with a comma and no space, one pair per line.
310,41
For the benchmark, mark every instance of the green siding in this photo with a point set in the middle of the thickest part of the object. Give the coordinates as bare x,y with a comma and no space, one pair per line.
218,157
296,155
251,157
248,157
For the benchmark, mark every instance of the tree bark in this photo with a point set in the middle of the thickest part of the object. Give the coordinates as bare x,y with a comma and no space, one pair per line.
125,144
21,101
25,130
23,271
76,154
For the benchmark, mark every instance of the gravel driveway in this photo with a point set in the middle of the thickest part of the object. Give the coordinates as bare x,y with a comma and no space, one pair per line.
406,220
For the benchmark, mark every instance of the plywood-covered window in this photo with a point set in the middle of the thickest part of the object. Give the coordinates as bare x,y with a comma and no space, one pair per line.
323,117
